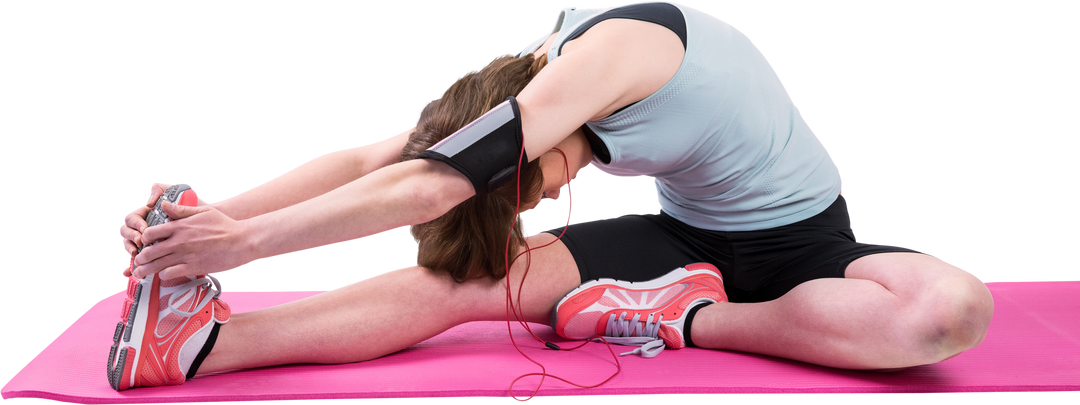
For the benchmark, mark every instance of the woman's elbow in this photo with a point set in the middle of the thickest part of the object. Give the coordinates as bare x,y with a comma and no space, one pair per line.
437,190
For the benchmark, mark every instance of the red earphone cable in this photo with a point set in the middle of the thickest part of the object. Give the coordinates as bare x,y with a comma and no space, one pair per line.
517,311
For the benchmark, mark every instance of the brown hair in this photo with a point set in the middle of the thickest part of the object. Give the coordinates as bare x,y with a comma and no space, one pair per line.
469,241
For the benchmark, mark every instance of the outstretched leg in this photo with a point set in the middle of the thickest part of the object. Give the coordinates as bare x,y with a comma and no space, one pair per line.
893,310
385,314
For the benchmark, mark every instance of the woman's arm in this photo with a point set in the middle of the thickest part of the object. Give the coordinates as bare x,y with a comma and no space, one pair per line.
314,178
204,240
406,193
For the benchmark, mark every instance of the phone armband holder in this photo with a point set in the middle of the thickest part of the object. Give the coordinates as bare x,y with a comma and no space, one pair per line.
487,151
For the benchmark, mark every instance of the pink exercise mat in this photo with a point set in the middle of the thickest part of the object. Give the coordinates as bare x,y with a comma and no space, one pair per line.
1033,345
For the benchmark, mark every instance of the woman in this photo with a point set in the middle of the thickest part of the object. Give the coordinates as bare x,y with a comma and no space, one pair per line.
655,90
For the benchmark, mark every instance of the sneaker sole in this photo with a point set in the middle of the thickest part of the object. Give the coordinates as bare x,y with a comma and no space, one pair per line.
123,355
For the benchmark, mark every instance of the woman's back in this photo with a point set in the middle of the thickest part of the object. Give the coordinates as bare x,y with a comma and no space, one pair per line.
727,147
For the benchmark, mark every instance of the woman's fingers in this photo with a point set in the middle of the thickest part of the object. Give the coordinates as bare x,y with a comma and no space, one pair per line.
166,267
156,191
133,224
132,239
158,257
132,228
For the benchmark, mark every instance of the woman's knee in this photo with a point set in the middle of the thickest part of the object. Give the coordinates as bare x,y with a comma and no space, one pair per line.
544,279
552,272
964,314
951,315
944,310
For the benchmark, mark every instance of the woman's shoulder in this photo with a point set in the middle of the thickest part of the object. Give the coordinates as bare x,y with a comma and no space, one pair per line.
651,53
615,63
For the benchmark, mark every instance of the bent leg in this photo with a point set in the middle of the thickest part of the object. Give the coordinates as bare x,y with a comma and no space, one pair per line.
893,310
947,310
388,313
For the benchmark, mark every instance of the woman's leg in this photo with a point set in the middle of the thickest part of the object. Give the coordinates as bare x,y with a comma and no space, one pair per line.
388,313
893,310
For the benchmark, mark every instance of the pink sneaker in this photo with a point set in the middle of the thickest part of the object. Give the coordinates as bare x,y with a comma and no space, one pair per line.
164,324
649,313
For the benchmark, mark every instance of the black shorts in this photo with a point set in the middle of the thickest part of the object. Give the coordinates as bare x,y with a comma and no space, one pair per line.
757,266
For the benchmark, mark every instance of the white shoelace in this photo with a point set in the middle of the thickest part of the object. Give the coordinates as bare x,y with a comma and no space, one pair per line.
619,331
192,287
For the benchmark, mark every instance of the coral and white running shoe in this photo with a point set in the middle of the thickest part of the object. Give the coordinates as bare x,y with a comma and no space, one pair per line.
165,324
650,313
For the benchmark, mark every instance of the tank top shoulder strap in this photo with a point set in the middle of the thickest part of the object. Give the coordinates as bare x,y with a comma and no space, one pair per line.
577,23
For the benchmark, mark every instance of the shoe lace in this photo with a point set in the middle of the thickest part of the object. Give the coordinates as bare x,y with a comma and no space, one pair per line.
645,334
192,287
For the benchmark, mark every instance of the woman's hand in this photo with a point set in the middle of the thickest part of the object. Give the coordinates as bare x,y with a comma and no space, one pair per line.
197,241
135,222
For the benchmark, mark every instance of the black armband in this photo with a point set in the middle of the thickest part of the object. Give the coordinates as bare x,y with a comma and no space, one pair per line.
486,151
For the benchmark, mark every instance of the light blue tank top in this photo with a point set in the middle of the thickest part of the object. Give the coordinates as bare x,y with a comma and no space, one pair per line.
728,149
